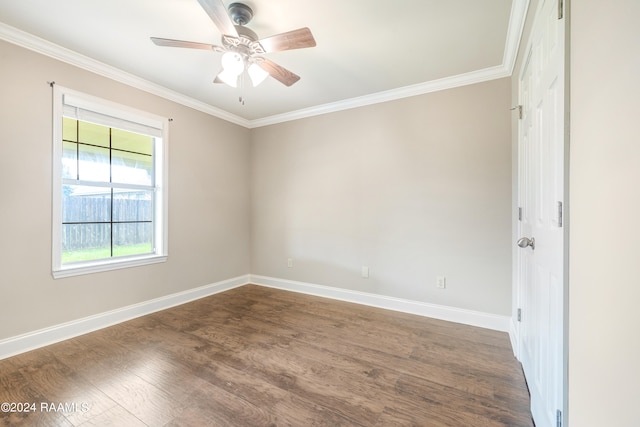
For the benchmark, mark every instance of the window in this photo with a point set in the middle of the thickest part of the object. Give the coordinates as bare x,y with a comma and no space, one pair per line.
109,185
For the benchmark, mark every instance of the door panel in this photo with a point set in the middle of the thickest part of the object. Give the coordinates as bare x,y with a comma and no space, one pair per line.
541,189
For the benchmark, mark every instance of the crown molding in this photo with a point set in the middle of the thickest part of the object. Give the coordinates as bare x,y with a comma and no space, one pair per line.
388,95
514,34
517,19
52,50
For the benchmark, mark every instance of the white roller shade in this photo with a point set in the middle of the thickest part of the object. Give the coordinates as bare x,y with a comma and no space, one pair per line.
85,110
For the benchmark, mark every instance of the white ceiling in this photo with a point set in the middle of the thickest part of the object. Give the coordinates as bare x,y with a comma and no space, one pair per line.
367,50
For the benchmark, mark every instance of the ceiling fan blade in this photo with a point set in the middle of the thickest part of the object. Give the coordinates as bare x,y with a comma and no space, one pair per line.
218,14
296,39
181,43
279,73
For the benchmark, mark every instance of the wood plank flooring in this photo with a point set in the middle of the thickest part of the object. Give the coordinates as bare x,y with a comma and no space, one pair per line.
256,356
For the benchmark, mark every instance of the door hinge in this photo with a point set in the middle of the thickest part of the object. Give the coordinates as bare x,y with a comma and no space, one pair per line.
519,108
558,418
519,315
560,9
559,214
519,214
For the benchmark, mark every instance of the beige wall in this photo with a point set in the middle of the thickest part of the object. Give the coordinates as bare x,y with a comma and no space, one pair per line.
413,189
604,330
400,187
208,205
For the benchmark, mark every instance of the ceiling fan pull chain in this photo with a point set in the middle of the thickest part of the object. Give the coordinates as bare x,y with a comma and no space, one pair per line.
241,87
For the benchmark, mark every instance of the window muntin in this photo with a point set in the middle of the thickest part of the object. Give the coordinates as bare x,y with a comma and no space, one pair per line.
110,203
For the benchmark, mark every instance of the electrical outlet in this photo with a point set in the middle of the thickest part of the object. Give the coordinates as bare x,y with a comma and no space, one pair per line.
289,262
365,272
441,282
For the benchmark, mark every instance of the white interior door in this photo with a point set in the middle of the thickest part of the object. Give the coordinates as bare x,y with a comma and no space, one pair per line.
541,198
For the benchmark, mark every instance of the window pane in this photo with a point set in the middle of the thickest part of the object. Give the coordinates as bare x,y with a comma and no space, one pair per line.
70,160
93,134
85,204
85,242
106,205
94,164
131,168
129,141
130,205
69,129
132,238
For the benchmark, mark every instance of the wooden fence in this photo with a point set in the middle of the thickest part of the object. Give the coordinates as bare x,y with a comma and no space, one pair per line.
87,220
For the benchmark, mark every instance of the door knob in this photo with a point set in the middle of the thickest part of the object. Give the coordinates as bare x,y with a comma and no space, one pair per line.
525,242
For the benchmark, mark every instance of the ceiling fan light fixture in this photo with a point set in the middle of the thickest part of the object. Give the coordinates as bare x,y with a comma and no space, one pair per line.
232,63
228,78
257,74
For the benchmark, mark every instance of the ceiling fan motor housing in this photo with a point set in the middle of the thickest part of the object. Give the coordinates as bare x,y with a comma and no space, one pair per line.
240,13
247,41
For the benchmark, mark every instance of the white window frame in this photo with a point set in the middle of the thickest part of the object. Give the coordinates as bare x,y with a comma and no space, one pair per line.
131,118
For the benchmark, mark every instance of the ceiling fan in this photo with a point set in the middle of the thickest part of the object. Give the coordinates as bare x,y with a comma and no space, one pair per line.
241,46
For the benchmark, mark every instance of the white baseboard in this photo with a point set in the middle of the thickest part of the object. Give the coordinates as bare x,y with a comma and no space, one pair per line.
40,338
452,314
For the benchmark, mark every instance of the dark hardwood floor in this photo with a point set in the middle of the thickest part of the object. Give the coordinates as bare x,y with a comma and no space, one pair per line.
256,356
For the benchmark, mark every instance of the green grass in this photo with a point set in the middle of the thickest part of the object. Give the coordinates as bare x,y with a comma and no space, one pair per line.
102,253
